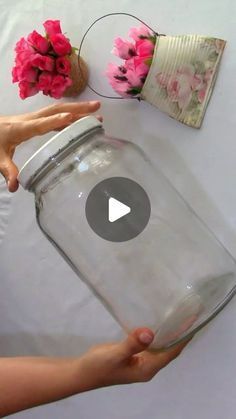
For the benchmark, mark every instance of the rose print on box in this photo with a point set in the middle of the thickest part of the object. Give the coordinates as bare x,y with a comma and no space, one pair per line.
182,76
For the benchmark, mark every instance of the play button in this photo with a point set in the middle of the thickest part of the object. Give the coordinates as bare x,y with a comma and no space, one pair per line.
118,209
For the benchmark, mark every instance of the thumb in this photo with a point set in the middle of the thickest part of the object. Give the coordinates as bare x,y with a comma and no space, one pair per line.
137,341
10,172
43,125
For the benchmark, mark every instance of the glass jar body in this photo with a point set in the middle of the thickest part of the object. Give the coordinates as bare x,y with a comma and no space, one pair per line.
173,277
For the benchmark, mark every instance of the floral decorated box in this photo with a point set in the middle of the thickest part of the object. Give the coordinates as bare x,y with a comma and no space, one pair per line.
182,76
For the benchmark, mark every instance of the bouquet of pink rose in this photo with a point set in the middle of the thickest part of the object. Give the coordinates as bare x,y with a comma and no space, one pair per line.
42,63
128,79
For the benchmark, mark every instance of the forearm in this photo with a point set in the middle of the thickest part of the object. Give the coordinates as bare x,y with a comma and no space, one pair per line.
28,382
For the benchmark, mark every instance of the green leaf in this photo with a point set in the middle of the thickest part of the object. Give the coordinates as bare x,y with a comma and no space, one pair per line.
209,40
199,67
153,39
213,56
195,114
174,108
148,61
135,91
163,92
193,103
74,49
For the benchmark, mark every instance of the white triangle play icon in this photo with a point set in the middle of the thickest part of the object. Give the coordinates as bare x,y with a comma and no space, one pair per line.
117,210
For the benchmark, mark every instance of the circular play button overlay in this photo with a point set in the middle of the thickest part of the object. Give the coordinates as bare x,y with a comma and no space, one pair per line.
118,209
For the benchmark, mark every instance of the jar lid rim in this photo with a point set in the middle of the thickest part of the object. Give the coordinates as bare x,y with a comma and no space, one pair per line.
54,146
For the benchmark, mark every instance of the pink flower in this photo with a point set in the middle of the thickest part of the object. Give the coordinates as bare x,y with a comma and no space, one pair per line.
202,93
197,82
59,85
38,42
45,82
144,48
137,63
23,45
24,57
15,74
60,44
219,45
126,82
122,88
162,79
43,62
63,65
141,32
133,78
123,49
27,89
52,27
24,73
179,86
208,74
29,74
117,72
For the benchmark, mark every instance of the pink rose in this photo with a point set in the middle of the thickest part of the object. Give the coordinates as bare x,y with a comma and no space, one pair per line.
208,74
63,65
60,44
52,27
123,49
38,42
43,62
202,93
59,85
141,32
197,82
24,73
219,45
162,79
29,74
144,48
45,82
15,74
23,45
27,89
24,57
179,86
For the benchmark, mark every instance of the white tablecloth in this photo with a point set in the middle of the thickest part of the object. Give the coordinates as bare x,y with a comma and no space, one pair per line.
44,308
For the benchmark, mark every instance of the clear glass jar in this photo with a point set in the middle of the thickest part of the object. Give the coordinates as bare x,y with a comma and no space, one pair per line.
172,277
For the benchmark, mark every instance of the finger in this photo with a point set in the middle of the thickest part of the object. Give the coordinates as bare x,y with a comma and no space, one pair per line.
136,342
164,358
43,125
145,367
10,172
73,108
77,117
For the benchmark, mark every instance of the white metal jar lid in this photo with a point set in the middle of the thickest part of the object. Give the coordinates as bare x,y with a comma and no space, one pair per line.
54,146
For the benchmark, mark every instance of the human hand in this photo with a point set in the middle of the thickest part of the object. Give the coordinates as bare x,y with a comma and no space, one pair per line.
19,128
125,362
27,382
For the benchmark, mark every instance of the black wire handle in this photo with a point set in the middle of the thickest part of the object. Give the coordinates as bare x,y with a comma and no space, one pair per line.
84,36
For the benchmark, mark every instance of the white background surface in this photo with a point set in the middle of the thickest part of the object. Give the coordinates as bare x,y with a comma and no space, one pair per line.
44,308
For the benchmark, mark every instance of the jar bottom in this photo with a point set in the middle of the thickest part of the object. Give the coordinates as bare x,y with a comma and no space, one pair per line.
201,305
